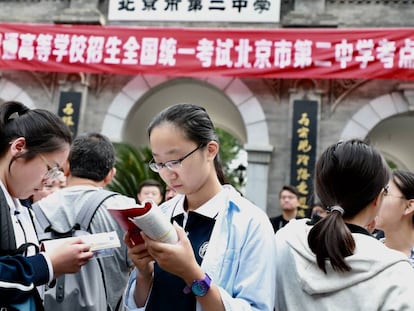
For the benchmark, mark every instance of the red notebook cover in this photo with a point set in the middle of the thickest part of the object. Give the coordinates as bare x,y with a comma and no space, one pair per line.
123,216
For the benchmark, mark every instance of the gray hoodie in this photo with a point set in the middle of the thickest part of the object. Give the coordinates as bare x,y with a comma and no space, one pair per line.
61,208
380,279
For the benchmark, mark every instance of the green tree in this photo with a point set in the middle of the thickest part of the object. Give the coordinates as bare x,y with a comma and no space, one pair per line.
131,169
392,164
229,149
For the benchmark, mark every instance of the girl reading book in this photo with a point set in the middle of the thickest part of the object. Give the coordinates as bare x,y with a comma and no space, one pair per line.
34,145
224,257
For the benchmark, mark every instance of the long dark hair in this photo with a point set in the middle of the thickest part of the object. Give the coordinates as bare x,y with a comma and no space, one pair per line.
43,130
349,175
196,125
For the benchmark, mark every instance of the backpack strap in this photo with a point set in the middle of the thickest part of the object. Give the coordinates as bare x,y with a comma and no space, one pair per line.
90,207
43,225
84,218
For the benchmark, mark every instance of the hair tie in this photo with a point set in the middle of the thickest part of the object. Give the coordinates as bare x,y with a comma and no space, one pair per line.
13,116
337,208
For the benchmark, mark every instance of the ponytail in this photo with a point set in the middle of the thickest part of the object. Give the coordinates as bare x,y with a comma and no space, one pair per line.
331,239
349,176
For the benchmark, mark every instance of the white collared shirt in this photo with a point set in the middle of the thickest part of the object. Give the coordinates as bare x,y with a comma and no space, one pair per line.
209,209
24,230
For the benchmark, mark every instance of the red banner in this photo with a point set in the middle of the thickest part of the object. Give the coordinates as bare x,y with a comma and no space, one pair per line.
386,53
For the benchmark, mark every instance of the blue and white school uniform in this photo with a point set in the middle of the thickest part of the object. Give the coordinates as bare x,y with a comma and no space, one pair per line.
239,255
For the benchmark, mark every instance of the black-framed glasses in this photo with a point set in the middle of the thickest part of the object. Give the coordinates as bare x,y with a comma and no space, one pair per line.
53,172
173,164
386,193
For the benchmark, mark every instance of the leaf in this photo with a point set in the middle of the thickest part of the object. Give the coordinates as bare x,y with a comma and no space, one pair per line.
131,169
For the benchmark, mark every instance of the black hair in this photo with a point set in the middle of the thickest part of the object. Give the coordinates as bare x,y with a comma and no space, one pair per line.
43,130
291,189
151,182
196,125
350,175
404,181
92,156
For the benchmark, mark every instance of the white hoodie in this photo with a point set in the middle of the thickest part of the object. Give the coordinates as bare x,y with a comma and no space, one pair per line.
380,279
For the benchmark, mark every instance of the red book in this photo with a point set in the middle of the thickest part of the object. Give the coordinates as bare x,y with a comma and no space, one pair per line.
147,217
124,218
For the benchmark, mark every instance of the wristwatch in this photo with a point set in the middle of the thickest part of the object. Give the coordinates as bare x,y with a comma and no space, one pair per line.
199,287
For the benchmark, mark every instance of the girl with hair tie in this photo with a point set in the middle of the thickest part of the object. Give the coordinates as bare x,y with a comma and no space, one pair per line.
336,264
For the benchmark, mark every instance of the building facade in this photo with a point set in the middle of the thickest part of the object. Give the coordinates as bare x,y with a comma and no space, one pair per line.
258,111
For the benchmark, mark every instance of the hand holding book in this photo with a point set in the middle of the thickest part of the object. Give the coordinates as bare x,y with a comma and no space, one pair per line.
147,217
102,244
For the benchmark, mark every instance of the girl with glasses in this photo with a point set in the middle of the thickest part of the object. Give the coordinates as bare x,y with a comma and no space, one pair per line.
225,253
33,144
336,264
396,216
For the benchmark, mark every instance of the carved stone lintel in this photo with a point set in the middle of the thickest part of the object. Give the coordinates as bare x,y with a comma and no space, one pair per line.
99,82
95,83
316,86
276,86
340,90
73,80
339,86
48,81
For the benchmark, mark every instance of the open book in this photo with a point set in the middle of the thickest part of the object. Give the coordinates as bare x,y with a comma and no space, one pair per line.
147,217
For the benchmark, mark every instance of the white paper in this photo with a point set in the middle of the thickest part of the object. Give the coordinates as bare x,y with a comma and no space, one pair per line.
97,241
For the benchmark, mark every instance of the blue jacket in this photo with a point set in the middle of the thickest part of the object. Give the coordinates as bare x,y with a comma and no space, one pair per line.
19,275
240,257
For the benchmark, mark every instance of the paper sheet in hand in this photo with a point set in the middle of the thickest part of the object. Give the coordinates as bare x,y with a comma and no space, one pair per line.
97,241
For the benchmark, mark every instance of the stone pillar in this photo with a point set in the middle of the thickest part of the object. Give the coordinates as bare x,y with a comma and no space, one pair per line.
258,158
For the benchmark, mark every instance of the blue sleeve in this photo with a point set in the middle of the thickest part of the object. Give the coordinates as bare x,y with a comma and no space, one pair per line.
19,275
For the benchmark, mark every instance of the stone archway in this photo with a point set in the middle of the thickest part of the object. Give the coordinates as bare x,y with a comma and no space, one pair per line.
366,118
10,91
386,122
257,134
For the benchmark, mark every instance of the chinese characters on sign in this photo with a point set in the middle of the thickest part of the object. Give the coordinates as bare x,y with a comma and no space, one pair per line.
278,53
69,109
304,137
257,11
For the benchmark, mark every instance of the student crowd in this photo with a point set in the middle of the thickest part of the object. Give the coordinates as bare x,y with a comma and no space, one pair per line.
228,256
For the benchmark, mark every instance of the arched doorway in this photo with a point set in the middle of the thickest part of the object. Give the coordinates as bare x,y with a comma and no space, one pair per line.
231,105
387,122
